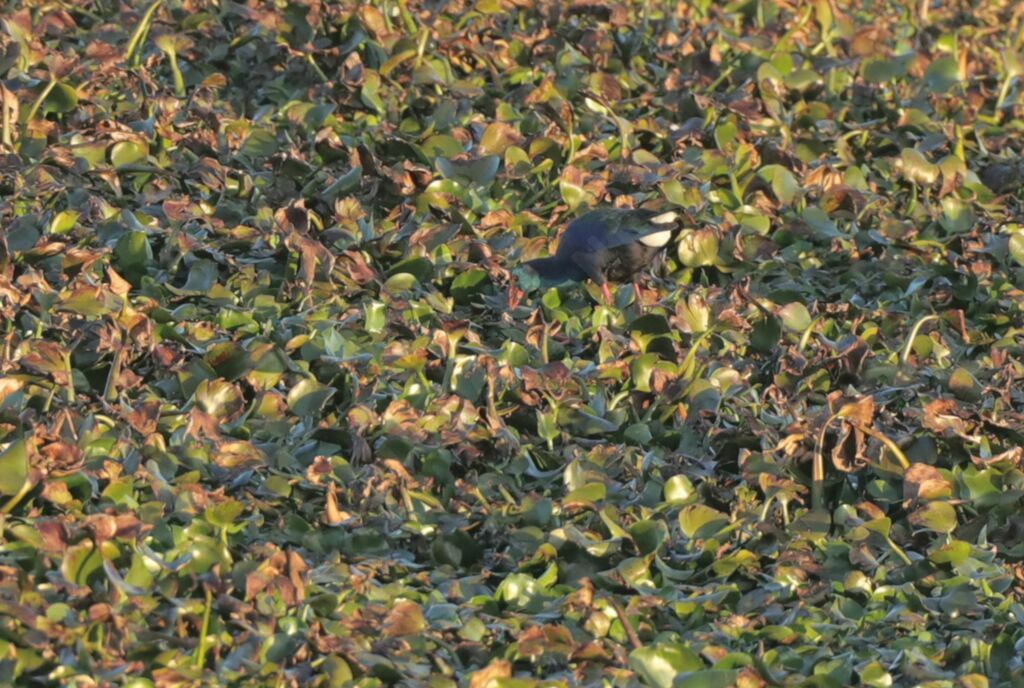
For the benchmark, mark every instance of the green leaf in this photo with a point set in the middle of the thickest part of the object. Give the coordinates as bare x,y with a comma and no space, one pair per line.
696,313
63,98
442,146
725,135
395,60
957,217
698,247
765,335
308,397
342,185
784,184
573,194
1017,247
795,317
13,467
590,493
267,366
420,268
648,535
813,524
699,521
942,74
370,92
201,277
641,368
219,398
639,433
963,385
261,143
125,153
375,316
498,136
819,221
936,516
682,196
882,69
708,678
82,563
468,285
64,221
955,552
224,514
917,168
90,302
658,665
133,254
479,172
875,675
678,489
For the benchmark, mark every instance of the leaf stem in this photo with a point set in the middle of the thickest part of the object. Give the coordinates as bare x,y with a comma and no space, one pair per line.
898,551
627,626
179,80
905,356
16,499
200,657
889,444
818,467
39,101
131,53
69,388
110,389
5,115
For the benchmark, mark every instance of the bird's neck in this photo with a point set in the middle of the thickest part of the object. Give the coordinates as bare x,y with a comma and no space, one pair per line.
554,269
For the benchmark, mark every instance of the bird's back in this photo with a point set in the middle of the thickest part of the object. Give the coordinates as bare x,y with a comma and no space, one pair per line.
608,228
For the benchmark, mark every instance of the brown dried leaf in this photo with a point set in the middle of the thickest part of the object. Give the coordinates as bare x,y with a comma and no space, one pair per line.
297,568
945,417
143,418
102,526
54,535
489,676
848,454
61,457
924,482
405,618
860,412
118,284
57,492
332,514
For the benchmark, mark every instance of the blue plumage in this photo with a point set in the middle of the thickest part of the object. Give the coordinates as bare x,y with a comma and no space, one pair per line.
606,244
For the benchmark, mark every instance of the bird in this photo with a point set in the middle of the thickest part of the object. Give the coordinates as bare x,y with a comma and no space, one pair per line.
605,244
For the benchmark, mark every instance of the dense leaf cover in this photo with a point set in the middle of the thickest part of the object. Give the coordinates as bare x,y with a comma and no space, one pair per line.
275,411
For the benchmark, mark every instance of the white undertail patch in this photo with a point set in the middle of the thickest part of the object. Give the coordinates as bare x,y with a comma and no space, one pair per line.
657,240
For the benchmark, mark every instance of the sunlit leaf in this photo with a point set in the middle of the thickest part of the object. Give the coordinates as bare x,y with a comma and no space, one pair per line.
936,516
659,665
13,467
699,521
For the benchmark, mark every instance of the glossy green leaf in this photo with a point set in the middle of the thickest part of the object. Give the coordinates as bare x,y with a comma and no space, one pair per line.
678,489
795,317
936,516
659,665
479,172
125,153
308,396
62,98
13,467
699,521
